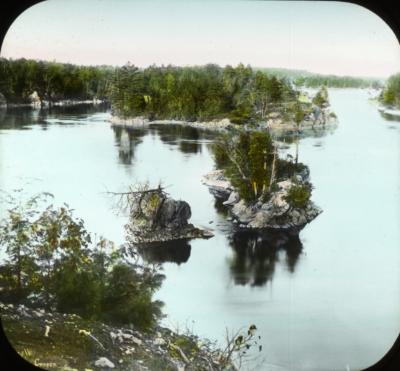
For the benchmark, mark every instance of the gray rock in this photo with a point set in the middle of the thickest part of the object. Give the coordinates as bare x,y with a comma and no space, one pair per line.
104,362
232,199
159,341
159,218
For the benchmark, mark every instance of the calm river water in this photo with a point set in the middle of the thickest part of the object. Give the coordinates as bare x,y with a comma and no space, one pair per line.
329,300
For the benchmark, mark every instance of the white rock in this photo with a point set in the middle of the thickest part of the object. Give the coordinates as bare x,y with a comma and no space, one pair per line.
104,362
159,341
46,332
136,340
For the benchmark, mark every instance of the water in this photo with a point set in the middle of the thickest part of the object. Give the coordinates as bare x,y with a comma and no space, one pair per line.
328,300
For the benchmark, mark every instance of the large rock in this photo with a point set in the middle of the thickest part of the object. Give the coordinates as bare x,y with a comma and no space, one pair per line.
218,185
104,362
158,218
35,100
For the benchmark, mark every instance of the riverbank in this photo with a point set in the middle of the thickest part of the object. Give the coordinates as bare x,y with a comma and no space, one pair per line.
59,341
46,104
140,122
275,122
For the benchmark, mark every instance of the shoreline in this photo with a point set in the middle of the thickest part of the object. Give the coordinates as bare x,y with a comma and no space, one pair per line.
67,341
47,105
140,122
389,111
220,124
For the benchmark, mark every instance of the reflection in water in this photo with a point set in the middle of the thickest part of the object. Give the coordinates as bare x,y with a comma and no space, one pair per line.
177,251
126,140
189,146
23,118
187,138
256,253
220,207
307,132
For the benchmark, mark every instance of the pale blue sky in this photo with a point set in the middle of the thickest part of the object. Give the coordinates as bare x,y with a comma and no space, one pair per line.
324,37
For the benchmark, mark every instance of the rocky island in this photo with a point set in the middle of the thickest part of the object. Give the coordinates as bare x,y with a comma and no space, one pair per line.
261,190
155,217
276,213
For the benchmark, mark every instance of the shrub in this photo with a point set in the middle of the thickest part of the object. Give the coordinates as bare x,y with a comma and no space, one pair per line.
298,196
52,262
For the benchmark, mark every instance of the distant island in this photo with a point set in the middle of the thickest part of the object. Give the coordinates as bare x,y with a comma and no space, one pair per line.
212,97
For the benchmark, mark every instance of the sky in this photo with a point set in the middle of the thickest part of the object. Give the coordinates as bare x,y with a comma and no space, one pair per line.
323,37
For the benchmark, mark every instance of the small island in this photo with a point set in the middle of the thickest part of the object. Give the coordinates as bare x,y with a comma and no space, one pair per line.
215,98
261,190
155,217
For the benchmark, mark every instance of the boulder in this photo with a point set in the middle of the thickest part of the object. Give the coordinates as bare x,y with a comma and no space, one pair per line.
157,218
35,100
104,362
232,199
218,185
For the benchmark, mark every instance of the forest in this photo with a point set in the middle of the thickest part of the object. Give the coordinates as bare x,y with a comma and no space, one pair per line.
197,93
52,81
240,93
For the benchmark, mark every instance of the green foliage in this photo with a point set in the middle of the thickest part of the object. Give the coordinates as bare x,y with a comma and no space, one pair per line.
246,158
298,196
321,98
52,81
391,93
298,113
52,263
196,93
286,169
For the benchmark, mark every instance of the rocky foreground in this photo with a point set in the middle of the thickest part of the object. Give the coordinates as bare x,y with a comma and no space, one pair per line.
56,341
274,214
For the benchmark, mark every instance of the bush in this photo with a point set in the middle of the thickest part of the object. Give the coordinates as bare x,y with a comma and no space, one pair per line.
298,196
52,263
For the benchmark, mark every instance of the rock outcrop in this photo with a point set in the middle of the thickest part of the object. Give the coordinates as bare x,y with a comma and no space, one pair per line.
140,121
35,100
157,218
276,213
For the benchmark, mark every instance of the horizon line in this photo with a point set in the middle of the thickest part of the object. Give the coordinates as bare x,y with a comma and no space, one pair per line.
200,65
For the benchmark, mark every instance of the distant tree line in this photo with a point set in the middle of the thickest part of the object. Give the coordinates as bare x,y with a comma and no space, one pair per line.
332,81
390,95
198,93
52,81
302,78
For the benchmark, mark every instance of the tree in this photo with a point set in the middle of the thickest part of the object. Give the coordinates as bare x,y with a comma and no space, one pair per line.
391,93
321,98
53,263
246,158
